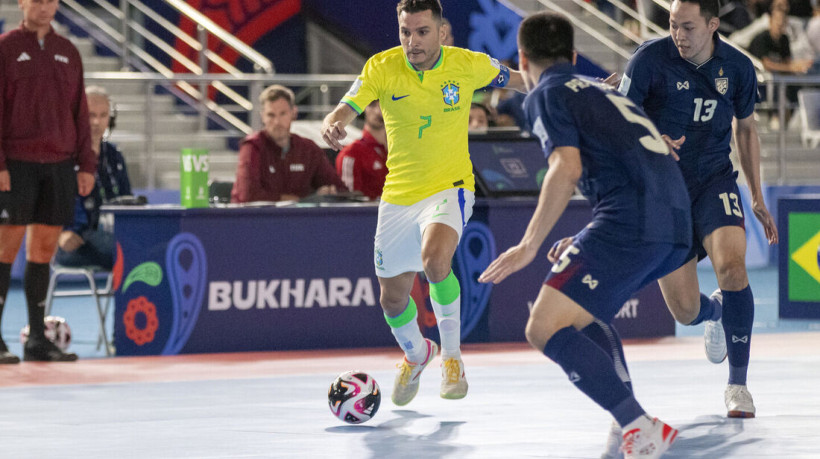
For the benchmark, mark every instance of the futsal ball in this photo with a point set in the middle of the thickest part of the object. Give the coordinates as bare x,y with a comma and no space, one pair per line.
354,397
57,331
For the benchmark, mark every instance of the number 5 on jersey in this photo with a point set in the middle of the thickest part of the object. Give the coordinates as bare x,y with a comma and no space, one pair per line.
652,142
564,260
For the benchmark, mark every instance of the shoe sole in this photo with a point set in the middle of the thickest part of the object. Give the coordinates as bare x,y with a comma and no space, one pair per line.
49,361
453,396
740,414
716,362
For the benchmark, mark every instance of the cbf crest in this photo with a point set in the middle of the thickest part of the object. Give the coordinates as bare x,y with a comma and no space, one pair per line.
450,91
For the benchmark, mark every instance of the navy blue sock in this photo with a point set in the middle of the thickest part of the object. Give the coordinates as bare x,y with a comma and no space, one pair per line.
738,318
593,372
607,338
709,310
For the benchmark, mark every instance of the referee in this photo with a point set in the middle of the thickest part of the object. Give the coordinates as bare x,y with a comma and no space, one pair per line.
45,157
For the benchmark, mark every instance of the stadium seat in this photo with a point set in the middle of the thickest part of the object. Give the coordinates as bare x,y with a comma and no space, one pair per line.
89,274
809,102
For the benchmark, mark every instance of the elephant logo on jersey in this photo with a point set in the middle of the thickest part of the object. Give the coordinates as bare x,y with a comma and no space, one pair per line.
451,96
722,85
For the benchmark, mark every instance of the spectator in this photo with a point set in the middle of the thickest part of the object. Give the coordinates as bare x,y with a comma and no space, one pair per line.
510,112
85,242
479,118
794,29
773,49
44,134
362,164
813,32
277,165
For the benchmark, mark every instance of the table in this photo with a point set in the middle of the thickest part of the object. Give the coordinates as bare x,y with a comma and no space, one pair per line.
285,278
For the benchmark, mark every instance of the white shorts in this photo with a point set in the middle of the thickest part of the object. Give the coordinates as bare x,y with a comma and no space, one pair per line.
399,230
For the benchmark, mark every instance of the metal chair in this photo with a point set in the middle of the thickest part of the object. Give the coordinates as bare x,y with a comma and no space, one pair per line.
89,273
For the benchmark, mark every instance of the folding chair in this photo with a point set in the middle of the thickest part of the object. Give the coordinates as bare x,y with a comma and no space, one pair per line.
809,103
106,292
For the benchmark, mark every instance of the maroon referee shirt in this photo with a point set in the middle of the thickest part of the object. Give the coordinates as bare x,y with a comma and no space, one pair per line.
43,111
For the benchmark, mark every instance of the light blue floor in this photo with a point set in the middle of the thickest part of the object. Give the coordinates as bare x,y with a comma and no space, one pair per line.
518,406
526,410
80,314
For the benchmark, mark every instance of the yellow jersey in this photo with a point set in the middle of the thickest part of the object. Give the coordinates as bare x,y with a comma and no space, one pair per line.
426,114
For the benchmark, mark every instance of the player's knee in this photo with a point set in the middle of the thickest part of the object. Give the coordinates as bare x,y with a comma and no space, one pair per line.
732,275
684,305
436,268
537,334
393,305
684,312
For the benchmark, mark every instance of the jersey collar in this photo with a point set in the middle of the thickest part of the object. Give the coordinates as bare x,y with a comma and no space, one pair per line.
720,50
420,73
34,32
557,69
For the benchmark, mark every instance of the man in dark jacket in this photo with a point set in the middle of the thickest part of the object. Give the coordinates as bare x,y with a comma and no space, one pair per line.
86,242
277,165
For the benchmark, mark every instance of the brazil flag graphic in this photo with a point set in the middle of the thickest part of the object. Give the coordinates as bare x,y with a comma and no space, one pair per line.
804,257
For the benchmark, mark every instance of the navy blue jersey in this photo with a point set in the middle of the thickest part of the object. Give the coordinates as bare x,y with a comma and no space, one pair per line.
698,101
636,189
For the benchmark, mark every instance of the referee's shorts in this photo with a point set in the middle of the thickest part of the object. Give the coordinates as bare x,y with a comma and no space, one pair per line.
41,193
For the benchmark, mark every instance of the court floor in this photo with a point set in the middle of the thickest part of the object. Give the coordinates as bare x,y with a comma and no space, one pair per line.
260,405
520,405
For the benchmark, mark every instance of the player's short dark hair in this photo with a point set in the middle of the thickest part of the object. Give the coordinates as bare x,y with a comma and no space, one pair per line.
708,8
417,6
546,37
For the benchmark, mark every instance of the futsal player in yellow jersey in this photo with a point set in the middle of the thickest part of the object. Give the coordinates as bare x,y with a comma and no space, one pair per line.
425,91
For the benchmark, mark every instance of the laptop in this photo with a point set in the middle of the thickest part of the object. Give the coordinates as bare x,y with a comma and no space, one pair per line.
507,164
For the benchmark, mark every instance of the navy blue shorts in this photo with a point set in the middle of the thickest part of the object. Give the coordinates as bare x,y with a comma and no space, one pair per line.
601,275
40,193
715,205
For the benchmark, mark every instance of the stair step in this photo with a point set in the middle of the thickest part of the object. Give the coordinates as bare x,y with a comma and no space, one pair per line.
101,64
135,142
162,124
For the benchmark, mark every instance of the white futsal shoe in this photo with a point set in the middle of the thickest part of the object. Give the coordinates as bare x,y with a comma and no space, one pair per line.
406,385
647,438
713,335
453,381
739,403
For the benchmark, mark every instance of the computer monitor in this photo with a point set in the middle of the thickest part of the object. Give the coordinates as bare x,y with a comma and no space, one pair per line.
507,164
